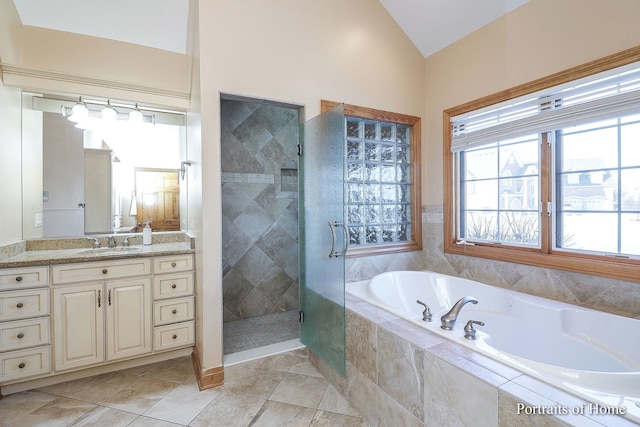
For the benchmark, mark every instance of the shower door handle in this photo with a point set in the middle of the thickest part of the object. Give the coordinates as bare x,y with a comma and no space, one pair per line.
332,226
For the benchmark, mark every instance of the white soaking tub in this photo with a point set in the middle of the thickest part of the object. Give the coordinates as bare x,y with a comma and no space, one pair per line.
585,352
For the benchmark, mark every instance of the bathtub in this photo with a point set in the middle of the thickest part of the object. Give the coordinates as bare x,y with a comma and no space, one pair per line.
588,353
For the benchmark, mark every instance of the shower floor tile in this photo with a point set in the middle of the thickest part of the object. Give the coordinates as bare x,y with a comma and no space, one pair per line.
246,334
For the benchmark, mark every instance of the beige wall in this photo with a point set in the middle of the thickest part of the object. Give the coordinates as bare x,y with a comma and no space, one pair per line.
299,52
103,59
540,38
10,169
10,33
10,134
32,181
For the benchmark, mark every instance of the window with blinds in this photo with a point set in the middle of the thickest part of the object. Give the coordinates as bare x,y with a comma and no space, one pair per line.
555,171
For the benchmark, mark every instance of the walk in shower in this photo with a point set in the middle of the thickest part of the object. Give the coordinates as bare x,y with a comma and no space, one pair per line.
259,156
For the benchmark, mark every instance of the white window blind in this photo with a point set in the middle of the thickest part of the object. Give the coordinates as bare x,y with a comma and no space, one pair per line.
599,97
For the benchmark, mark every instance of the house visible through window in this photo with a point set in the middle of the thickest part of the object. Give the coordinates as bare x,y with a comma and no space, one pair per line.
382,181
552,177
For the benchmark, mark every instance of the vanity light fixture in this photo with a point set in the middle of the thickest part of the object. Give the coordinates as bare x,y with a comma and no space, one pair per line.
95,113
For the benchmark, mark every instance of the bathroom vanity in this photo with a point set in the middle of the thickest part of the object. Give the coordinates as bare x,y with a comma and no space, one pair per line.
68,313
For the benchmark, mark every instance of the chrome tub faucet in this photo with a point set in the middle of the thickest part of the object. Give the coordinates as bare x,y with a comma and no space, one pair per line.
426,314
449,319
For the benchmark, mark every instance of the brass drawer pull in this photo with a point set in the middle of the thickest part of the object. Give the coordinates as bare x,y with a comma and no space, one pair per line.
19,279
22,365
20,335
174,286
19,305
174,311
105,271
174,337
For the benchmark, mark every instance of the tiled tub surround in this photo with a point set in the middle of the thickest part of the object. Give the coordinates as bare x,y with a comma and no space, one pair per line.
259,209
401,374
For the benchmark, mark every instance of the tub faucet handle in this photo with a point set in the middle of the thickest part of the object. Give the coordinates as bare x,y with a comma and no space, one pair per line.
426,314
469,330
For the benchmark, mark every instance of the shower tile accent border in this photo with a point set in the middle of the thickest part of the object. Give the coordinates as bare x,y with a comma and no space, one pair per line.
397,371
248,178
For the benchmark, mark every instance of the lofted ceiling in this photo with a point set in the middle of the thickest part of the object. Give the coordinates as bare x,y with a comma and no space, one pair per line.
162,24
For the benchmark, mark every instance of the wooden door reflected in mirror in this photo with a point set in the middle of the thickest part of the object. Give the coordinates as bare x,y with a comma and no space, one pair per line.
158,198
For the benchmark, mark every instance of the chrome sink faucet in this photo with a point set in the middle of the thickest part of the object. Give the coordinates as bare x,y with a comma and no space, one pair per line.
449,319
96,242
112,241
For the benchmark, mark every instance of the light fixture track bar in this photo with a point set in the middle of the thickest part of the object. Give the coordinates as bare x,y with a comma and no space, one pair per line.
53,105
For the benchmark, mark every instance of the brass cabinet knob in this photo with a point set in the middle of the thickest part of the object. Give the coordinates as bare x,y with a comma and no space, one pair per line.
173,264
22,365
19,279
174,311
174,286
174,336
19,305
20,335
105,271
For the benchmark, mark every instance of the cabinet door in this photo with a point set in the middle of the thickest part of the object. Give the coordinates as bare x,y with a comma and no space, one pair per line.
128,318
79,325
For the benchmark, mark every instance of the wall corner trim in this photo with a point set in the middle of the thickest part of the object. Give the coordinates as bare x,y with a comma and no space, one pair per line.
207,378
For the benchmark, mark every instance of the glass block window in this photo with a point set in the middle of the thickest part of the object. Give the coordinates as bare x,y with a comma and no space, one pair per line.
378,182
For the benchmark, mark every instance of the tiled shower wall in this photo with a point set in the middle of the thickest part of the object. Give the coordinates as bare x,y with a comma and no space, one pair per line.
259,209
599,293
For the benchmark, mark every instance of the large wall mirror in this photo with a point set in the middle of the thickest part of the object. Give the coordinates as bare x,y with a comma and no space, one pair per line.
108,175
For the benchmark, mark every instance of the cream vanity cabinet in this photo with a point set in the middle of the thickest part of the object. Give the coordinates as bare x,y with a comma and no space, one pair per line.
24,323
98,306
173,302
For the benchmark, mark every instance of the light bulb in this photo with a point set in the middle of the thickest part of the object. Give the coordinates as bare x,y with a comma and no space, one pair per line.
79,112
109,113
135,115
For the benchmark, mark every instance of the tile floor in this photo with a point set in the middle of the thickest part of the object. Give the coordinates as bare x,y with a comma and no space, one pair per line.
280,390
246,334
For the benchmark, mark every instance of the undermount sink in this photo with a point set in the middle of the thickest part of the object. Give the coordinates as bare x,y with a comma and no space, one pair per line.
117,250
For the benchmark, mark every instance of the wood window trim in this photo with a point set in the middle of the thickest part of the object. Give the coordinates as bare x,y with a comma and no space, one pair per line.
416,201
546,257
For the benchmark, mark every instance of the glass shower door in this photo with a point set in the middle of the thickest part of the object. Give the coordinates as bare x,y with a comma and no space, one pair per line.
323,238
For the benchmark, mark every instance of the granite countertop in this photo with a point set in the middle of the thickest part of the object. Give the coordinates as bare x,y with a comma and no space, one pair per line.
62,256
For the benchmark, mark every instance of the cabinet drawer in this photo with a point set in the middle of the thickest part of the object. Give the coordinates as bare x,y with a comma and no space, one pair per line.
172,263
172,311
172,336
100,270
18,278
23,304
24,333
172,285
24,363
